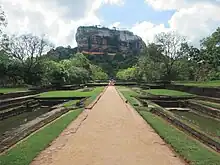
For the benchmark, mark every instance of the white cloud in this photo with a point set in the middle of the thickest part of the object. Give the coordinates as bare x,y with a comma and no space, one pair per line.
196,22
148,30
115,24
178,4
58,19
194,19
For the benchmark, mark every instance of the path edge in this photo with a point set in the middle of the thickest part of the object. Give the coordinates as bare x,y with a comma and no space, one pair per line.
91,105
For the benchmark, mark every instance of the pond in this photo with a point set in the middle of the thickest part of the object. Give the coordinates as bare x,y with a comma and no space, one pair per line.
206,124
14,122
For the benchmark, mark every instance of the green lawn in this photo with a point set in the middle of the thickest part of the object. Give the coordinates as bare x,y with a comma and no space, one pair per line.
167,92
129,94
208,103
70,103
190,149
8,90
215,83
24,152
71,93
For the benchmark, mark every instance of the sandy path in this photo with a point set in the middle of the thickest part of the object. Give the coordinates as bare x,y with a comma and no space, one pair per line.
109,134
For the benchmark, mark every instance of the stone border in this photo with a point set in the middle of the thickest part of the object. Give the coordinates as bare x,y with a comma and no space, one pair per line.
91,105
203,91
198,135
213,112
7,143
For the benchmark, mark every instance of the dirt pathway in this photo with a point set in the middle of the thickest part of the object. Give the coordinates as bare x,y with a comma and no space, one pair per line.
109,134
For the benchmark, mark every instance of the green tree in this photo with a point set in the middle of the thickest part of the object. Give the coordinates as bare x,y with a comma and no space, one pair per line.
98,73
211,49
128,74
170,44
27,49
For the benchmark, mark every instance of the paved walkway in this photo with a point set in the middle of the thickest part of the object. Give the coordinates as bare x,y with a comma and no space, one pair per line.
109,134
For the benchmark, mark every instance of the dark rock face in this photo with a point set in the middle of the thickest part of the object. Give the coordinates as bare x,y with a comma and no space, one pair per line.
104,40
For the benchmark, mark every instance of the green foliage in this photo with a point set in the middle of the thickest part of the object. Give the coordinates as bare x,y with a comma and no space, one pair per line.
127,74
98,73
211,49
150,63
24,152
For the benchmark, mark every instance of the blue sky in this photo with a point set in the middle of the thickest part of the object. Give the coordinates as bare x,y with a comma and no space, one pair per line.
134,11
59,19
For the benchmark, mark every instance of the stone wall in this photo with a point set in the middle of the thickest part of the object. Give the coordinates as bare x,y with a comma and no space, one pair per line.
203,109
210,92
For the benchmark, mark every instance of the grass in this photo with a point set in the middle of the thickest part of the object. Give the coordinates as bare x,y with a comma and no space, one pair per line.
210,104
215,83
94,95
167,92
9,90
70,93
70,103
129,95
24,152
190,149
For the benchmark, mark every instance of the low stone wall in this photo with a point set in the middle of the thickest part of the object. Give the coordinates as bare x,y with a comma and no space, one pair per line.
203,91
211,99
29,106
168,104
17,94
13,137
198,135
166,98
204,109
11,104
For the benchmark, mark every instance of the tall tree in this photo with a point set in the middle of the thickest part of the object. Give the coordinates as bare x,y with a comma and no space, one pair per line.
27,49
170,43
211,49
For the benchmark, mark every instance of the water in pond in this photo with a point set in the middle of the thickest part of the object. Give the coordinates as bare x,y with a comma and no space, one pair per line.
206,124
15,121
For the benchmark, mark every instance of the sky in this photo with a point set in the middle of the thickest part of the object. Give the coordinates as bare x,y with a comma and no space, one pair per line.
59,19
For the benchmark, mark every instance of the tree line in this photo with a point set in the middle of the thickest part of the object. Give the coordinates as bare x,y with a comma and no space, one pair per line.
33,60
171,57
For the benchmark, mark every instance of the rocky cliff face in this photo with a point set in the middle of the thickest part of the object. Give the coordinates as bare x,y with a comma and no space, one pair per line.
104,40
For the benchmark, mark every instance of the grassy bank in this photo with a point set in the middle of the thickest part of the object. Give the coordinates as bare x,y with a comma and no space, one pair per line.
71,93
167,92
215,83
194,152
208,103
24,152
9,90
129,95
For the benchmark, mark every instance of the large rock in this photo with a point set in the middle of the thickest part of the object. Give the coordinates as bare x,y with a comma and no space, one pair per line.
103,40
